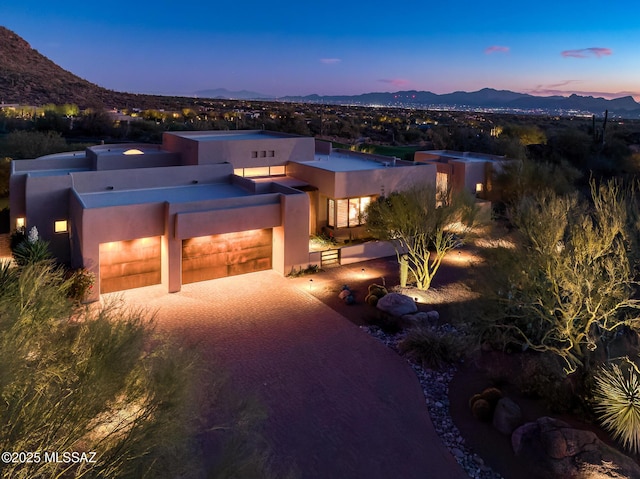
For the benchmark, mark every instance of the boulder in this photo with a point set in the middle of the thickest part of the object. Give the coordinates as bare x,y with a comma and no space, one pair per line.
397,304
507,416
434,316
418,318
553,449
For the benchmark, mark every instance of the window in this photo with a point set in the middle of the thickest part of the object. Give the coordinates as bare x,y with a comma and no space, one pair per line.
271,153
60,226
254,154
442,182
346,213
20,223
258,171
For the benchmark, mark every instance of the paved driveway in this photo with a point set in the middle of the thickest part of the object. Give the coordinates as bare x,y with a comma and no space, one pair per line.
340,404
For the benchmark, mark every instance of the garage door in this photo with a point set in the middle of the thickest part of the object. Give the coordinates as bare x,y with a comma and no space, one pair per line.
129,264
229,254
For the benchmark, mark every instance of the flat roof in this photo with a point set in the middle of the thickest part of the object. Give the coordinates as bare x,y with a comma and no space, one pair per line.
344,162
229,135
58,172
173,194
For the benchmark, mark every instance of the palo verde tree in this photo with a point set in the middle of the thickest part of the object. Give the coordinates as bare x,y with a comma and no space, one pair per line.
569,287
424,224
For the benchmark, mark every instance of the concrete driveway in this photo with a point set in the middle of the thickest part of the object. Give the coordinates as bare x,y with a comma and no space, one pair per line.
340,404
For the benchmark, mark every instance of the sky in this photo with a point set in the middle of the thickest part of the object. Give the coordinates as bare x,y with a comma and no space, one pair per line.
342,47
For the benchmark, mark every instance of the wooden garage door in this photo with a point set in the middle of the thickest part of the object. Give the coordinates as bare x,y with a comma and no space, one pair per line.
229,254
129,264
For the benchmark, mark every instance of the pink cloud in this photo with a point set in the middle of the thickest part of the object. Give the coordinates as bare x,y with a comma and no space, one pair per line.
496,49
587,52
330,61
395,81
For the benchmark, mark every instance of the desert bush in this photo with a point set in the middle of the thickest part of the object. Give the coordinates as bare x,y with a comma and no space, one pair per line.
617,402
81,282
433,348
541,376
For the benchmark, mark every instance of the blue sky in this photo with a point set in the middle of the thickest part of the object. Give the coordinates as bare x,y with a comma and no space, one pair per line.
347,47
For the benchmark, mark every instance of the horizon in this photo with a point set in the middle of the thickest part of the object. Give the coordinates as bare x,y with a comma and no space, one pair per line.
281,50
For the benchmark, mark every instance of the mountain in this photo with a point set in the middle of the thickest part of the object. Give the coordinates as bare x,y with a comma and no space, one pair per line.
232,95
29,78
487,98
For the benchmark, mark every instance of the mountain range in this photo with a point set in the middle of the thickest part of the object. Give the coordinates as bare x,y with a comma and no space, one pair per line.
29,78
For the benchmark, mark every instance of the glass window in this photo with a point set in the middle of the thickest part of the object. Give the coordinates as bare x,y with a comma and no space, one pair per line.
277,170
331,220
347,212
442,182
342,213
60,226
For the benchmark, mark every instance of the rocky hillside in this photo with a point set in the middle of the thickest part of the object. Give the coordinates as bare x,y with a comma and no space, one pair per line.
29,78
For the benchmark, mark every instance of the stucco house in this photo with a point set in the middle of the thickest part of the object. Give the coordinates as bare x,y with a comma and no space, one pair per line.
202,205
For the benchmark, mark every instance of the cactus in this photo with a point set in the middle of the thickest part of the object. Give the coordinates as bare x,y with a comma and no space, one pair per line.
404,271
492,396
371,300
481,410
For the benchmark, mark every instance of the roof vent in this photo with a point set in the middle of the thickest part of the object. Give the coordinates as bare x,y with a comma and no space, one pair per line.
109,187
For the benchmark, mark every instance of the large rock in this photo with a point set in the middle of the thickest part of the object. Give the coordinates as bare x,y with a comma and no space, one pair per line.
397,304
507,416
553,449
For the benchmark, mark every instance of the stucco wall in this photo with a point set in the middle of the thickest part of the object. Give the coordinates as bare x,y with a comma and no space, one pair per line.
91,181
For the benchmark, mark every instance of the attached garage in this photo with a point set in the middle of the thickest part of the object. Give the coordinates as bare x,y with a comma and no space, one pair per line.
130,264
228,254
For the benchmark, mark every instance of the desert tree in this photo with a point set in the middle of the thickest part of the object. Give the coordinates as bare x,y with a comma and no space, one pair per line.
569,287
424,224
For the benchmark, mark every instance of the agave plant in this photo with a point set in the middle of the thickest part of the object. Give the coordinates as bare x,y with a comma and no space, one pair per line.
617,402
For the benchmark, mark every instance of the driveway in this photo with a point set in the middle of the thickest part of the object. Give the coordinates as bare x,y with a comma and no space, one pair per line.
340,404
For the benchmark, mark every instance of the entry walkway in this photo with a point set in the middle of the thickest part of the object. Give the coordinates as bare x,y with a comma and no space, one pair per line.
340,404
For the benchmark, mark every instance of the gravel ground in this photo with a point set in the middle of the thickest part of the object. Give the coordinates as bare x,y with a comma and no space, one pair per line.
435,386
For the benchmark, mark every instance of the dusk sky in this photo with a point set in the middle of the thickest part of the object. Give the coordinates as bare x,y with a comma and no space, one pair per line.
339,47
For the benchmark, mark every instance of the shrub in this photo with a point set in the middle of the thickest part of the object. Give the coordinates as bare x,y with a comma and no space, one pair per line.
617,402
29,252
432,348
81,283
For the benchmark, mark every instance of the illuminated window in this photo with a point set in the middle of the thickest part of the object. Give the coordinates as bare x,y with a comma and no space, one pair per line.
278,170
347,213
331,220
479,187
20,222
60,226
442,182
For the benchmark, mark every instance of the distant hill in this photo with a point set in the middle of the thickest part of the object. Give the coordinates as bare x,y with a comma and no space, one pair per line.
29,78
232,95
487,98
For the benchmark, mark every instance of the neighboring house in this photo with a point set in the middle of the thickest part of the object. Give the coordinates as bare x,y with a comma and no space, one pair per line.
206,205
457,171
